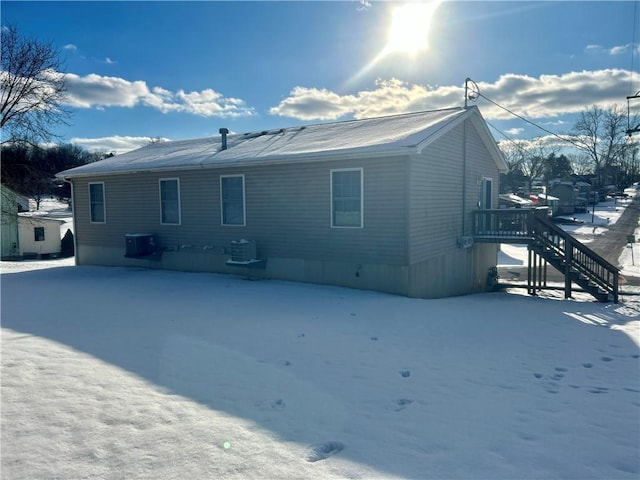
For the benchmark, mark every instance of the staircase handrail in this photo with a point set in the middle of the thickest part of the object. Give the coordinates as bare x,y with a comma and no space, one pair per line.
609,282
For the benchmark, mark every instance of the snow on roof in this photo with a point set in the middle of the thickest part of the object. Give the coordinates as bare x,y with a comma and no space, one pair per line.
39,217
357,137
510,197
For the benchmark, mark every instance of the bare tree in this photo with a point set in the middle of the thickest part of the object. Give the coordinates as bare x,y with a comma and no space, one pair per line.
513,156
600,134
581,164
32,89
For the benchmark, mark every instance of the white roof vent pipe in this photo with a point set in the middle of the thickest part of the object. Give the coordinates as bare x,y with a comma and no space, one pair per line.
224,132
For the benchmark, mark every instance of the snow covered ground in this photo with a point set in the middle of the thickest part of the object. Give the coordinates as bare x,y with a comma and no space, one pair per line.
132,373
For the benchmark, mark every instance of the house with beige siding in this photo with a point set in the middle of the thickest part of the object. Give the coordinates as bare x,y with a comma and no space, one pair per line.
382,204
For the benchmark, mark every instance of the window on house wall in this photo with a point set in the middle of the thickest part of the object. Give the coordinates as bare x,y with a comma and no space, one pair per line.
232,200
346,198
38,234
96,202
170,201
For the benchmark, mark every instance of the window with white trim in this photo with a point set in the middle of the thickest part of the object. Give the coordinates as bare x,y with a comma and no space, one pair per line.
232,200
96,202
346,198
486,194
170,201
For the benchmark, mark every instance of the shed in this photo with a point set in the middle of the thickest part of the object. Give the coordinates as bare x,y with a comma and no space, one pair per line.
382,203
39,236
9,207
569,201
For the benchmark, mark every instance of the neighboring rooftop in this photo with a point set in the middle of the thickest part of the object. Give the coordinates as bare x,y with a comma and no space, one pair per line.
358,137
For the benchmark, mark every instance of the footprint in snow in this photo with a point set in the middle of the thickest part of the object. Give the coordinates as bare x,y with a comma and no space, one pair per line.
598,390
401,404
323,451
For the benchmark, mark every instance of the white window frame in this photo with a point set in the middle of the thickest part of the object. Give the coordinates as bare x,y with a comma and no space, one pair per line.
332,171
170,179
244,202
104,203
486,182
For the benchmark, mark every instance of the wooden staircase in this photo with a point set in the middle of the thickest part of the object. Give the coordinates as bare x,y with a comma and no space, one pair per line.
549,244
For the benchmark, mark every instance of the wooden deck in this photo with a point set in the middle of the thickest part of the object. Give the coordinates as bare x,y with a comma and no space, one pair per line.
548,243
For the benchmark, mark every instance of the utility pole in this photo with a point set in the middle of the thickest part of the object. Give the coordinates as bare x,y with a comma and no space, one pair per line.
630,130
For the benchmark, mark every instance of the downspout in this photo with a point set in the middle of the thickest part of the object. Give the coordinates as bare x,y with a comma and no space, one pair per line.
75,230
464,175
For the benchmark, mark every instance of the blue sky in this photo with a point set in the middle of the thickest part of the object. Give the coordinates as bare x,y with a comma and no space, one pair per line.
180,70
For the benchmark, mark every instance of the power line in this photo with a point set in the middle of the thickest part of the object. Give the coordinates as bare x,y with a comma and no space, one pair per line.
634,45
575,144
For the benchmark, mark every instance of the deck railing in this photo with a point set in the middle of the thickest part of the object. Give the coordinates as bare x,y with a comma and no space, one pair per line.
512,225
578,259
533,227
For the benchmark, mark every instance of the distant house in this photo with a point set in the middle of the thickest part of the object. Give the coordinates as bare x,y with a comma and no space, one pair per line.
9,207
569,199
39,236
382,204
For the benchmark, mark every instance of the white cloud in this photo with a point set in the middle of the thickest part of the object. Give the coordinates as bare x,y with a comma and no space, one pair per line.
71,47
115,144
615,50
97,91
549,142
515,131
389,97
532,97
594,49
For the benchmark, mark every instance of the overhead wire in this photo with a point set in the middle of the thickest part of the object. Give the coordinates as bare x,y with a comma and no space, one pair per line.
564,139
634,46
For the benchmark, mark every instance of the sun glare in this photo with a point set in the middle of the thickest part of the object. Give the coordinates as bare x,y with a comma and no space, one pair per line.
410,27
408,34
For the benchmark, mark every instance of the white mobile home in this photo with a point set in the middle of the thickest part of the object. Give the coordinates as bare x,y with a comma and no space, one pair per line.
383,204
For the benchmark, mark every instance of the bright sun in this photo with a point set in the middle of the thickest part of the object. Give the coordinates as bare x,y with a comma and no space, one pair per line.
410,26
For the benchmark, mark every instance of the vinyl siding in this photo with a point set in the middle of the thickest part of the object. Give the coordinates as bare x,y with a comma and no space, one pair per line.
436,192
435,197
287,211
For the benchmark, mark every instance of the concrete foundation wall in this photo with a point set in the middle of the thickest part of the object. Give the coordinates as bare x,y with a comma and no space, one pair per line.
455,273
383,278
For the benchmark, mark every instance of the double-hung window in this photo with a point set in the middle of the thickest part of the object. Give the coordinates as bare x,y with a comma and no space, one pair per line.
96,202
232,200
170,201
346,198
